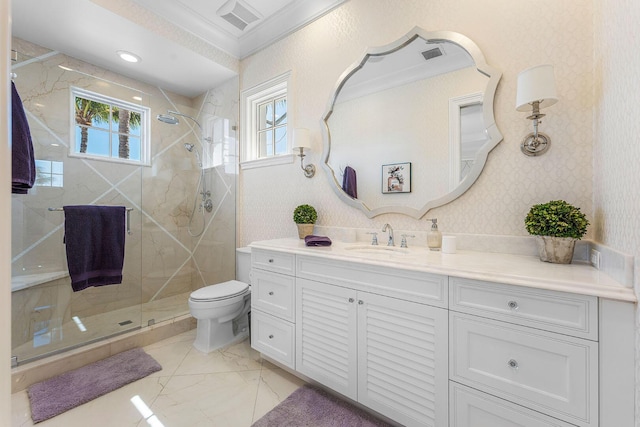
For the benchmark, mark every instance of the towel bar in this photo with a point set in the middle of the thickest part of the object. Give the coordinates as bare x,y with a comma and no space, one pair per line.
128,216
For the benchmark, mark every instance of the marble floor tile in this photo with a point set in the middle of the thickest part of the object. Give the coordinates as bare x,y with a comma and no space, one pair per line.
170,353
220,399
231,387
235,358
275,386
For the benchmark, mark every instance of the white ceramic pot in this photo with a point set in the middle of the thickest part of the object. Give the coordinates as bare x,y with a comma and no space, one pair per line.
558,250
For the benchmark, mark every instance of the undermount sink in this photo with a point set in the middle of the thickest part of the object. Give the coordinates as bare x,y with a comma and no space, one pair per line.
372,249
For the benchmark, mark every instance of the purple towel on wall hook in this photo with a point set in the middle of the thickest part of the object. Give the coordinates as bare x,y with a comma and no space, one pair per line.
313,240
349,182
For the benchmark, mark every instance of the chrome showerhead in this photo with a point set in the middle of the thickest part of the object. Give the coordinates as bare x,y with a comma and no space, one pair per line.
166,118
189,147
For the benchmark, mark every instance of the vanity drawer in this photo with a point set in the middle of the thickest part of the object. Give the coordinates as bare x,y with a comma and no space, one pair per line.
472,408
273,293
561,312
273,337
551,373
408,285
278,262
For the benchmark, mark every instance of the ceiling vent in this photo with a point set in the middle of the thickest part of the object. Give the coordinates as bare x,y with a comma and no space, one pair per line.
432,53
238,14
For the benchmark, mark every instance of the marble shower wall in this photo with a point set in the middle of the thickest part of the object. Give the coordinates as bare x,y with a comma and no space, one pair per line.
161,258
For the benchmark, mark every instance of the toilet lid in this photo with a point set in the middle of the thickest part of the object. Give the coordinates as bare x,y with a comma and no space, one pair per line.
220,291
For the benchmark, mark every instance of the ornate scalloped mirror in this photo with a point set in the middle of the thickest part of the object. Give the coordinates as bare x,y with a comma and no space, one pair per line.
424,103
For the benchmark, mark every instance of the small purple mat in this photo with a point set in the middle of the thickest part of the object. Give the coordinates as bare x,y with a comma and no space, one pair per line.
312,407
59,394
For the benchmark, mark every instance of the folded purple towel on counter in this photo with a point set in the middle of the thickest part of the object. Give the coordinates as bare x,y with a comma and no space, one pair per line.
312,240
94,237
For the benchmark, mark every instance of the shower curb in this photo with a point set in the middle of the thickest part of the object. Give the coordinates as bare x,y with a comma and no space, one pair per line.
40,370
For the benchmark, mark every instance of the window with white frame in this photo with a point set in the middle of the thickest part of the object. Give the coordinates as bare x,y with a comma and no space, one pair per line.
265,114
49,173
109,129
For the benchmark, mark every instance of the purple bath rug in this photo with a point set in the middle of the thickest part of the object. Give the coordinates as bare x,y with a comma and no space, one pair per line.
312,407
59,394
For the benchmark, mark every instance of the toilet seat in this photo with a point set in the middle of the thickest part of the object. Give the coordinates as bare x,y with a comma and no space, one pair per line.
222,291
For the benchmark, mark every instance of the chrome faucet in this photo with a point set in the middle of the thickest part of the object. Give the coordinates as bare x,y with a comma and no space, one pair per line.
390,242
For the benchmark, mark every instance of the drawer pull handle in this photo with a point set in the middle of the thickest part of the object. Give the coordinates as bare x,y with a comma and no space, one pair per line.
270,292
360,302
271,260
271,336
513,363
351,300
513,305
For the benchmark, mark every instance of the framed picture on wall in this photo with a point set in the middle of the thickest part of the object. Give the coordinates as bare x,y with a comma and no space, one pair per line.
396,178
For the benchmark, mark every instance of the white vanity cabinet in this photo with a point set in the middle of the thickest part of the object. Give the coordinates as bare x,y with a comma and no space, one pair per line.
375,334
536,349
388,354
273,305
424,346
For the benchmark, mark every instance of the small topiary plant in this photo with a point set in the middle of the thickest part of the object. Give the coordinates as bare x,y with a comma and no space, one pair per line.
305,214
556,218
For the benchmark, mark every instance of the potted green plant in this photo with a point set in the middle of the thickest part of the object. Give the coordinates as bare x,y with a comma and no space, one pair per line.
305,216
557,225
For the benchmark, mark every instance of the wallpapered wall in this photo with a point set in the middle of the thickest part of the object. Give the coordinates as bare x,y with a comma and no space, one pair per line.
510,182
592,166
616,148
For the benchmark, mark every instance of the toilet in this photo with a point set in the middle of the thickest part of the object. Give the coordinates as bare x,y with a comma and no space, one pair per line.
222,309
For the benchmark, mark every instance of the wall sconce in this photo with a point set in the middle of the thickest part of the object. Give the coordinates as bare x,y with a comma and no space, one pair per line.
536,90
302,140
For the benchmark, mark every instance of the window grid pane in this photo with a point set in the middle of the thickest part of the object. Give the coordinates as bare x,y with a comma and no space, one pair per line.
265,115
281,140
280,108
265,144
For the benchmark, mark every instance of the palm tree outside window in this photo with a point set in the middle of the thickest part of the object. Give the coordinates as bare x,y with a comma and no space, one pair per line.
109,129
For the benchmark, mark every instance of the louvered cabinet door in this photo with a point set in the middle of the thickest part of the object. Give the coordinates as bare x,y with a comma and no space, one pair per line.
326,342
402,360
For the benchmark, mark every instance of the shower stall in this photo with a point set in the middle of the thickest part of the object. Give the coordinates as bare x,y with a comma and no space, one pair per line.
182,206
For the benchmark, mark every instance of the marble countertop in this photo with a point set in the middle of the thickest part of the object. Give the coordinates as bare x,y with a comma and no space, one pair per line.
519,270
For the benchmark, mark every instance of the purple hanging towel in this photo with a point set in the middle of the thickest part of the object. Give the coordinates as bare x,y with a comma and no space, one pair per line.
23,165
94,237
349,182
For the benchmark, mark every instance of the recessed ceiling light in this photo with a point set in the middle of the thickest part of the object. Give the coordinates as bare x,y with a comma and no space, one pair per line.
128,56
65,68
137,98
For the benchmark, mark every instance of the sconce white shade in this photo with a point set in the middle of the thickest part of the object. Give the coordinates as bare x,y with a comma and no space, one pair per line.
536,84
301,139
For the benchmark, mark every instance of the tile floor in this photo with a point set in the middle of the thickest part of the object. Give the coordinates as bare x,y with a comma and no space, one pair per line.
232,387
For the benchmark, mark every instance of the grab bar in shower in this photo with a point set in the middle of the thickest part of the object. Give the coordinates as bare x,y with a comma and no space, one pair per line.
128,216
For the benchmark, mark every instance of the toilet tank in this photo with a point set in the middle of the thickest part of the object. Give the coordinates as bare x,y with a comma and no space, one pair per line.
243,264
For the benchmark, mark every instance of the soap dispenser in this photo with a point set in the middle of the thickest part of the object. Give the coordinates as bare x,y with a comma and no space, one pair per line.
434,237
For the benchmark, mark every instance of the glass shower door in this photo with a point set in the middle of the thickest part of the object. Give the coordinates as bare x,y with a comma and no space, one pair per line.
47,315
